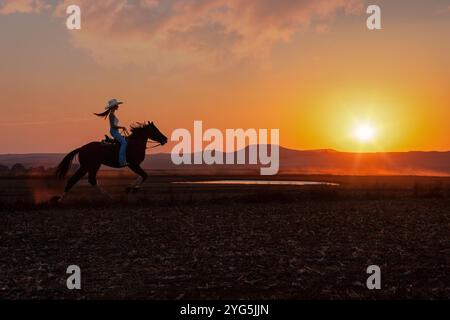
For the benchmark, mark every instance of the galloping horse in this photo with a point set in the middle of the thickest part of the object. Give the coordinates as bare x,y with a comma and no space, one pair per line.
92,155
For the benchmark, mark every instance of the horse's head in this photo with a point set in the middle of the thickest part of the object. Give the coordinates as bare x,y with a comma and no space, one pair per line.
154,134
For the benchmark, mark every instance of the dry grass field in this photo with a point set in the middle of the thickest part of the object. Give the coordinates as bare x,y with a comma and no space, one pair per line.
176,241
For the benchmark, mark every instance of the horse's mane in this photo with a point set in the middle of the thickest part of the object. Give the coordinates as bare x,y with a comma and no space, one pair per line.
138,127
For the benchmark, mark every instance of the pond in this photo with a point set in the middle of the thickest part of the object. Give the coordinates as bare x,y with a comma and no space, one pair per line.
262,182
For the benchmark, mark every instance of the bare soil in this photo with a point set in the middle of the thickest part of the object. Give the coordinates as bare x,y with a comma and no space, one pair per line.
227,242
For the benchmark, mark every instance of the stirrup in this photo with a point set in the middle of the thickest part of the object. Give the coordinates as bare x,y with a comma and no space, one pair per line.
109,140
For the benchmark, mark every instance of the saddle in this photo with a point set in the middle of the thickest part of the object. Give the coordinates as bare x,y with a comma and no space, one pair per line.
110,141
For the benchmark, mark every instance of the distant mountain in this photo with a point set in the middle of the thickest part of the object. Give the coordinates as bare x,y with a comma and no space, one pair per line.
32,160
291,161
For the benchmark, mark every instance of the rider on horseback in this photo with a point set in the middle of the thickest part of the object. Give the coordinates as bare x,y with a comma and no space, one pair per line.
111,108
93,155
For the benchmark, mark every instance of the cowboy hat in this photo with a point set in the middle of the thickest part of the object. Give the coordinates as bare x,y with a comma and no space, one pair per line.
112,103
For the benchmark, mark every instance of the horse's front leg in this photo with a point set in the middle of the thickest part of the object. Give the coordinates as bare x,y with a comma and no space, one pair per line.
140,180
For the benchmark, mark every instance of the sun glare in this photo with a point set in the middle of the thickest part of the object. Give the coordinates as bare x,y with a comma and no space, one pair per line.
364,132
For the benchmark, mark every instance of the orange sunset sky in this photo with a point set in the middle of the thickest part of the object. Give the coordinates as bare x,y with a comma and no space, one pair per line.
310,68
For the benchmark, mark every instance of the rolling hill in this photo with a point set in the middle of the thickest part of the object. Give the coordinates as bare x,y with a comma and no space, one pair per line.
291,161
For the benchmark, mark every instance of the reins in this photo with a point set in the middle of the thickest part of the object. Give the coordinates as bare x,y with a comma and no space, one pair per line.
125,133
157,145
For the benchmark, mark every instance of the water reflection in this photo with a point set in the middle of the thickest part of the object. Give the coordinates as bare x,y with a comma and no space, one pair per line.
262,182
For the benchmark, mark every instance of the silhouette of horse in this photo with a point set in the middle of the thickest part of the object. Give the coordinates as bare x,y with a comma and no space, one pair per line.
92,155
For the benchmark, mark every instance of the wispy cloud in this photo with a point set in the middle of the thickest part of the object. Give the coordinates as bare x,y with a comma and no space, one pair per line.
19,6
201,32
43,122
23,6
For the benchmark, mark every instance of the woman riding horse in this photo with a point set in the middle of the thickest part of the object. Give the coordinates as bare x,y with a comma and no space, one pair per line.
111,108
92,155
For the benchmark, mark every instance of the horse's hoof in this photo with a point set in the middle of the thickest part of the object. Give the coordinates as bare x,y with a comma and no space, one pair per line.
132,190
56,200
136,189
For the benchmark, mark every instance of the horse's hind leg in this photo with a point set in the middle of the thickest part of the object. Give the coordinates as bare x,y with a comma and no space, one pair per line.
73,180
140,180
92,178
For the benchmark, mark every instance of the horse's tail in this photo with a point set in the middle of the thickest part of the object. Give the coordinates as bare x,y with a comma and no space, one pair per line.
64,166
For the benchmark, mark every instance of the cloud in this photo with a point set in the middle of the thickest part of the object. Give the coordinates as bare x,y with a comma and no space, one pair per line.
211,33
23,6
19,6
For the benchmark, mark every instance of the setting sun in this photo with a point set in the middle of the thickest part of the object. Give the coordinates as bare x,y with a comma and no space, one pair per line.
364,132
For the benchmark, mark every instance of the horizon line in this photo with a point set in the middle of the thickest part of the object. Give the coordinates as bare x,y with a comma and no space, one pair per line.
281,147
